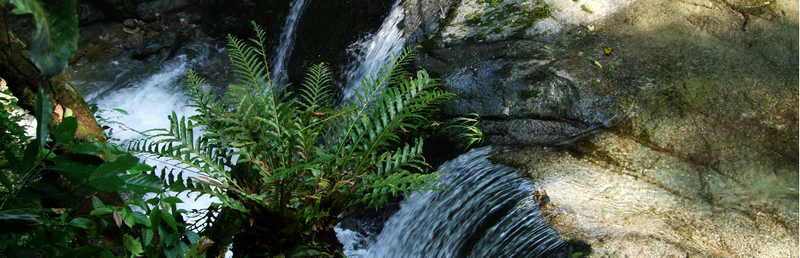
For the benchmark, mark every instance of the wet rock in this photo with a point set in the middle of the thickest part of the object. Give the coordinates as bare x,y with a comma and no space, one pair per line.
680,141
140,9
88,13
165,44
149,10
423,18
221,17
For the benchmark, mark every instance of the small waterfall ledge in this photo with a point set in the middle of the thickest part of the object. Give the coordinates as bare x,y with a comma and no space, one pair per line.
489,211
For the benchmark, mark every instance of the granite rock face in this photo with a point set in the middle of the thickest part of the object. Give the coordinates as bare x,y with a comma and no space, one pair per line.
656,128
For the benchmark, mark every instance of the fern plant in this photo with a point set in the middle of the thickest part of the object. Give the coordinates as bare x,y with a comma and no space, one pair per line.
285,165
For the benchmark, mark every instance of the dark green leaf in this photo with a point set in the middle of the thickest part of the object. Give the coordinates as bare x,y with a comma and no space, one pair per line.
65,132
141,184
101,211
97,203
56,36
171,199
44,116
88,148
74,170
108,183
141,218
192,237
147,236
133,246
84,251
141,167
170,219
127,217
30,157
119,166
82,223
4,180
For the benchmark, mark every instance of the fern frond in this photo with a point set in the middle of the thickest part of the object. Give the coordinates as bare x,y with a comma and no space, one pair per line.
316,87
179,144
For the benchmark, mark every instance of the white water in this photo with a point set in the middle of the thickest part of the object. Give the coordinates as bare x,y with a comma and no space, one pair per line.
287,41
375,51
488,212
148,102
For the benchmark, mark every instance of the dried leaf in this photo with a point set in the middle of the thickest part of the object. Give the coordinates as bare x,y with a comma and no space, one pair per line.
117,219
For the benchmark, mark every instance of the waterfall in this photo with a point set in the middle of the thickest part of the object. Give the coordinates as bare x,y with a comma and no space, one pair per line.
286,44
489,211
374,51
149,93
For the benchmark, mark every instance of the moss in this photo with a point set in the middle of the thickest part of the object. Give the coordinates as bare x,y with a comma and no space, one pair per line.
762,8
492,3
473,19
586,9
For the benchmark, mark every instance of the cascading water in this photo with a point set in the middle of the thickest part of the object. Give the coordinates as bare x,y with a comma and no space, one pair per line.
148,94
286,43
375,51
488,211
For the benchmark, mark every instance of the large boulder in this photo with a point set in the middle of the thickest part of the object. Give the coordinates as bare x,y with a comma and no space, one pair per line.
656,128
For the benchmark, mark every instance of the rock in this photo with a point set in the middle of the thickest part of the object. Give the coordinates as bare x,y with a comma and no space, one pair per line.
88,13
130,23
166,43
139,9
682,141
149,10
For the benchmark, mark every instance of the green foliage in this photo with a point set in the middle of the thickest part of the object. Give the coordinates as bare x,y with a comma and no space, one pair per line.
467,129
50,200
56,36
294,163
12,135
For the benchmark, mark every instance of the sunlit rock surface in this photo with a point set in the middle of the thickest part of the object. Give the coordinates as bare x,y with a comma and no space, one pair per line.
656,128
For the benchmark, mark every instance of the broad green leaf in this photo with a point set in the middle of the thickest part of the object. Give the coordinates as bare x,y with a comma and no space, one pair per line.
75,171
119,166
56,36
141,167
193,237
88,148
147,236
171,199
65,131
44,116
141,184
29,158
133,246
97,203
82,223
141,218
101,211
170,219
108,183
4,180
127,217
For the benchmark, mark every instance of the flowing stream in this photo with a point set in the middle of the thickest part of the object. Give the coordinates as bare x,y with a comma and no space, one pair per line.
489,211
375,52
286,44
